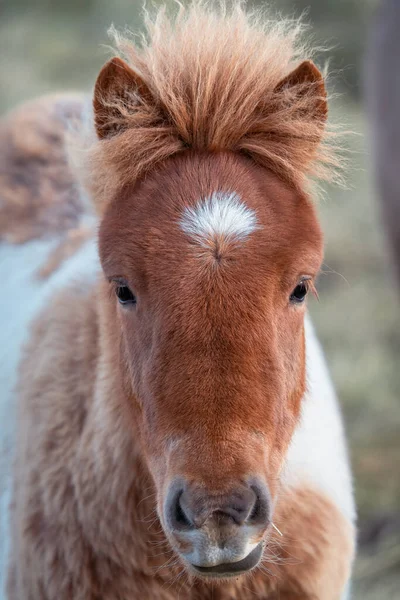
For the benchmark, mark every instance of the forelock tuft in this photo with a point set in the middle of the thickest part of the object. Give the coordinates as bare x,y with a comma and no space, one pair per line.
213,73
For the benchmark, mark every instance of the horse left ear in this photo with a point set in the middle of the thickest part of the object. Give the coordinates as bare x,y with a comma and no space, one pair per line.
306,82
115,87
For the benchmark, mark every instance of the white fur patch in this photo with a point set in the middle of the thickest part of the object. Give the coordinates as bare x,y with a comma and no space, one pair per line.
318,454
222,214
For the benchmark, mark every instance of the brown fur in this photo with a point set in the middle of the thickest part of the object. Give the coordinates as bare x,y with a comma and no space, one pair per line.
141,241
85,520
38,195
202,379
85,526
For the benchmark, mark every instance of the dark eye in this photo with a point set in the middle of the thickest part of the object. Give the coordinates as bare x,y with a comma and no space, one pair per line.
124,295
299,293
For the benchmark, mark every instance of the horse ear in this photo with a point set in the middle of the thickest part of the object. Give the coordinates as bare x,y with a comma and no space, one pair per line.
116,83
307,82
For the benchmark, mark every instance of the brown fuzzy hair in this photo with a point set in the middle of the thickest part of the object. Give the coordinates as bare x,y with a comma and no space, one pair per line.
210,79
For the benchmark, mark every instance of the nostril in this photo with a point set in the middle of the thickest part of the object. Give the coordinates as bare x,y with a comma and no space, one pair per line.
181,519
257,510
177,517
260,512
189,507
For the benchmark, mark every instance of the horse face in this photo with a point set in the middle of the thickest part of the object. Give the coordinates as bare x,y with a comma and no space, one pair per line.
208,261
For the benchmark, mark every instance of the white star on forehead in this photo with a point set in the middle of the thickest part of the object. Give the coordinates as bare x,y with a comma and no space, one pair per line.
221,214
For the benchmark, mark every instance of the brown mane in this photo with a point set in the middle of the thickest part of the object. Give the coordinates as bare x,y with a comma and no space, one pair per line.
215,81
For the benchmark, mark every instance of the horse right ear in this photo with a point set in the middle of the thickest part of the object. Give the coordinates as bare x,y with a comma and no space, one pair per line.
116,86
307,81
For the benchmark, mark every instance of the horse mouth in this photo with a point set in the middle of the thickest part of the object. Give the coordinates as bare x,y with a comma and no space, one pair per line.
232,569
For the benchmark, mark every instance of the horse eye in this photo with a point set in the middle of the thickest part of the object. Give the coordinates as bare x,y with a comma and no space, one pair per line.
299,293
125,295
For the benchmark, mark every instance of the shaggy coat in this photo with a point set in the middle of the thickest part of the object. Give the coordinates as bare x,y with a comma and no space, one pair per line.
206,369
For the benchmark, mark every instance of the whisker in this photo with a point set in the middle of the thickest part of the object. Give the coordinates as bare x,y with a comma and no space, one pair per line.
333,272
177,577
276,529
264,569
167,564
146,498
158,543
159,554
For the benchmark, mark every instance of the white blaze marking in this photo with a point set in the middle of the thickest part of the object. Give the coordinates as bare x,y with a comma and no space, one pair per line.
222,214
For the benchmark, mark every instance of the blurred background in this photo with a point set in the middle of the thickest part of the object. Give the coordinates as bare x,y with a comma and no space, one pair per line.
49,45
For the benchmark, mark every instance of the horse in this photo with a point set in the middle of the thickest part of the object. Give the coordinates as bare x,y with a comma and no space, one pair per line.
177,434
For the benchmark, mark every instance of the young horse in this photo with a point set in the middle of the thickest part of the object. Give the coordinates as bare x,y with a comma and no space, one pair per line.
178,434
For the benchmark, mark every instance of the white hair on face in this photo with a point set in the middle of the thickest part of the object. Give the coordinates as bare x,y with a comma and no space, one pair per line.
221,214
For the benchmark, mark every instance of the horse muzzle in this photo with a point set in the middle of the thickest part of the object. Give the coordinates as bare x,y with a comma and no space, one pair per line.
218,535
